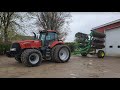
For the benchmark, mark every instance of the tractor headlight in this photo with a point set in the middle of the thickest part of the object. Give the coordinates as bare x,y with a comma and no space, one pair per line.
12,49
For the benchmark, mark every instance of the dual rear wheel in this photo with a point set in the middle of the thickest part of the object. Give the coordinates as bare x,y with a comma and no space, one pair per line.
61,53
31,57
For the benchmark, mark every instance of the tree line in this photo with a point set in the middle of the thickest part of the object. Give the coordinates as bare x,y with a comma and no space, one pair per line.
12,23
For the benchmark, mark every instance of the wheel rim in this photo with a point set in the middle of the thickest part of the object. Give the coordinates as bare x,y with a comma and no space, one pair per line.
64,54
34,58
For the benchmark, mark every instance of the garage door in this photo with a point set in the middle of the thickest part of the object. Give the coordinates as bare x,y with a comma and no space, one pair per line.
112,42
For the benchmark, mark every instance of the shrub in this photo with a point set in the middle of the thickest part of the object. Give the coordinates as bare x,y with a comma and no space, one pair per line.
71,45
4,47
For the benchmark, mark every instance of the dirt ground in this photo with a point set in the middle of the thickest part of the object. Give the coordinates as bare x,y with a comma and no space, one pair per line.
77,67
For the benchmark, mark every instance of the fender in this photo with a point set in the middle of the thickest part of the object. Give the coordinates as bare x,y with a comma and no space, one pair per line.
56,43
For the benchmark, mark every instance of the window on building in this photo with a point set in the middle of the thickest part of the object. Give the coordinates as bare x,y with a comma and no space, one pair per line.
110,46
118,46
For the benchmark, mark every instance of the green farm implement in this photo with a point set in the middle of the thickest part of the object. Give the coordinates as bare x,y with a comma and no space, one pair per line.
91,44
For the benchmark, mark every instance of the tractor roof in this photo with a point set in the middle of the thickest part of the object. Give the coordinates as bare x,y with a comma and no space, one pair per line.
49,31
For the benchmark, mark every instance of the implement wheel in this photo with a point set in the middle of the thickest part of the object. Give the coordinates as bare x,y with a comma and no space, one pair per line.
84,54
98,34
101,54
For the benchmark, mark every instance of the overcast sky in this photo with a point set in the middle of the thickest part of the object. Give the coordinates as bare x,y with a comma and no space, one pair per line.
81,22
85,21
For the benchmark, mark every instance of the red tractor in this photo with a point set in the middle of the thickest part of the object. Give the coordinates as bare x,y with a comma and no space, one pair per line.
46,47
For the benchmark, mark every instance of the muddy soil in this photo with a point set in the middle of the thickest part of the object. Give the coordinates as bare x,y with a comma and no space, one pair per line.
77,67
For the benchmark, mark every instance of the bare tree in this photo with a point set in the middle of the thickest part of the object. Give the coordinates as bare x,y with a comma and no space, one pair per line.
58,21
8,22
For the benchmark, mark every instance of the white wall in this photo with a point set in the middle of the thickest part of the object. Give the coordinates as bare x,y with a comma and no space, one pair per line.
112,39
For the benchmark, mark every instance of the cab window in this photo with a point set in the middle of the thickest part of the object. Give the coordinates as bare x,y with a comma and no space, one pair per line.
51,36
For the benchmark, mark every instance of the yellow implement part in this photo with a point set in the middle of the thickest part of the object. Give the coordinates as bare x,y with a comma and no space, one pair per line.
102,54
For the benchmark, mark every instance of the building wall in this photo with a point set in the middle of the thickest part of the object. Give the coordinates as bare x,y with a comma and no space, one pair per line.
112,41
108,27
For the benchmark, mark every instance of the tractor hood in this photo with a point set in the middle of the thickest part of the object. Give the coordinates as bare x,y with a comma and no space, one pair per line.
30,41
29,44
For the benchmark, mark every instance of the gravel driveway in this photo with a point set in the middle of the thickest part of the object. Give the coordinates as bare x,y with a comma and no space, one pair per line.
77,67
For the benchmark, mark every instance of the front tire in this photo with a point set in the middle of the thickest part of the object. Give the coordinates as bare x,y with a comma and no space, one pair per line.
31,57
18,58
62,54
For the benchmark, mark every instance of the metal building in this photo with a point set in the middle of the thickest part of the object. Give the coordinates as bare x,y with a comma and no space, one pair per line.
112,40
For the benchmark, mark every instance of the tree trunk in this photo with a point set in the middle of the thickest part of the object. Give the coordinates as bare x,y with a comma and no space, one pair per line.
5,35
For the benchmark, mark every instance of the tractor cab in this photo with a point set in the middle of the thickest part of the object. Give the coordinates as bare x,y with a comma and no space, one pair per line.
48,37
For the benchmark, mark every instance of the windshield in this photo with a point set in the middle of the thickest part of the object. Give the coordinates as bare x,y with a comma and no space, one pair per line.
50,36
42,37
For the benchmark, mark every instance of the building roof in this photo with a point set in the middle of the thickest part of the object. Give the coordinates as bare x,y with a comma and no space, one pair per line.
118,20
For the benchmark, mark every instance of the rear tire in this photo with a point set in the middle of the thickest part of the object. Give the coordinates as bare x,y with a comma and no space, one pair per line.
52,53
62,54
101,54
31,57
18,58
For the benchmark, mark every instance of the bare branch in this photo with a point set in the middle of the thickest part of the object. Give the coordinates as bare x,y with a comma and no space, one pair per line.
58,21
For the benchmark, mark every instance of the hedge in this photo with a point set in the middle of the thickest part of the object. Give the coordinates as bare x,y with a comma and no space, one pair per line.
4,47
71,45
